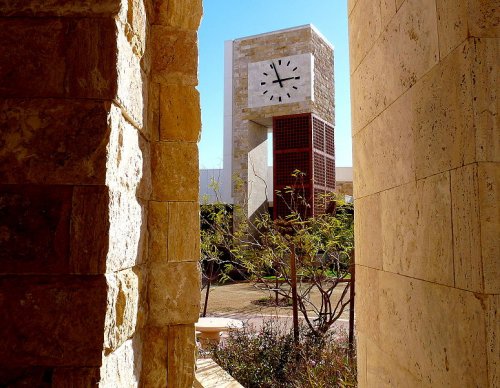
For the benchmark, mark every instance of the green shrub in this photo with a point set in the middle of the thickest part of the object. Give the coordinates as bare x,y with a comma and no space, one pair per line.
269,358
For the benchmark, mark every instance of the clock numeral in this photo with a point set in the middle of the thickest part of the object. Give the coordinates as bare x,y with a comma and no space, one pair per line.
294,69
265,74
262,83
295,87
279,62
288,64
288,94
297,77
271,66
265,92
271,98
280,98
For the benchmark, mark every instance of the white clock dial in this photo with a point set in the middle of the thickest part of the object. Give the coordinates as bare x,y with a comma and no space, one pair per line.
280,80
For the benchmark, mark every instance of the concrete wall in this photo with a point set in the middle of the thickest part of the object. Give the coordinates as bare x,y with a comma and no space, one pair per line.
98,192
426,180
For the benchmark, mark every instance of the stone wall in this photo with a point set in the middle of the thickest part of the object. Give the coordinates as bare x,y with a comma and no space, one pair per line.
426,181
249,125
98,192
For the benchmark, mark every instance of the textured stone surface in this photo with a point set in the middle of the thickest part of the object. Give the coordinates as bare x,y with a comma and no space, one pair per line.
75,377
174,293
489,205
34,228
406,50
368,232
407,310
181,14
450,110
122,368
183,231
122,308
485,93
48,57
180,115
53,141
181,356
154,370
493,339
89,229
174,167
53,320
59,7
175,58
484,21
452,24
466,229
158,226
417,239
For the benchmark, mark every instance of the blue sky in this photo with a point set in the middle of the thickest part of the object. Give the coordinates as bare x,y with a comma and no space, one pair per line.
232,19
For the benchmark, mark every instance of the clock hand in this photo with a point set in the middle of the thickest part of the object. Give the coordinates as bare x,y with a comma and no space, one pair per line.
277,75
284,79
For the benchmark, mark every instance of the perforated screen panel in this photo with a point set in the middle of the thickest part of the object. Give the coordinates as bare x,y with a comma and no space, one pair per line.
306,143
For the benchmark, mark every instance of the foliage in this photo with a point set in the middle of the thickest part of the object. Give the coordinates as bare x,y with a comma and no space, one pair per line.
321,247
269,358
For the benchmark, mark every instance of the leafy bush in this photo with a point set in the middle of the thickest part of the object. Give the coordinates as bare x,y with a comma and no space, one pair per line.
269,358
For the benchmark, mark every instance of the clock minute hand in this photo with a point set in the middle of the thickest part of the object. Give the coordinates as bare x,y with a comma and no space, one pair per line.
277,75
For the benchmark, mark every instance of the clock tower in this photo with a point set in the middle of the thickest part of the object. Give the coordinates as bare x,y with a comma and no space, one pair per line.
283,77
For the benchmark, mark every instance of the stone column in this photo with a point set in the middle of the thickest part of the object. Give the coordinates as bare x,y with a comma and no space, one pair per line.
426,181
174,279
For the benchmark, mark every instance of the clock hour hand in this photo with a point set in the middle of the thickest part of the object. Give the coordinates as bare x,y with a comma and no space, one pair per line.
284,79
277,76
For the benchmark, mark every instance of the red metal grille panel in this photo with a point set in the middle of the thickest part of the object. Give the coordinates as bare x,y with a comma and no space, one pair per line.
306,143
292,132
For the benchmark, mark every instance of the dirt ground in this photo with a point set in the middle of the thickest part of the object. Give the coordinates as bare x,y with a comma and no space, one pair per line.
236,300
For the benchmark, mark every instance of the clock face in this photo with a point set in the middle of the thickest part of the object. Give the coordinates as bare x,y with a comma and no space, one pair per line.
280,80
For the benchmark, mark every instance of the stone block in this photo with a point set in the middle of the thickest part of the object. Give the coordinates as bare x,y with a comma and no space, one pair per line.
133,18
407,49
384,152
365,27
122,307
444,328
174,293
452,25
175,58
483,19
181,14
174,167
34,228
154,369
53,320
89,230
33,57
183,231
368,231
443,118
131,82
53,141
180,115
37,8
387,11
417,239
181,356
493,339
158,225
91,58
367,306
153,102
466,229
485,92
47,57
122,368
489,209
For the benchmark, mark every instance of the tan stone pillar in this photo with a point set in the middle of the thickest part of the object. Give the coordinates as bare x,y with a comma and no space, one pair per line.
426,180
173,286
